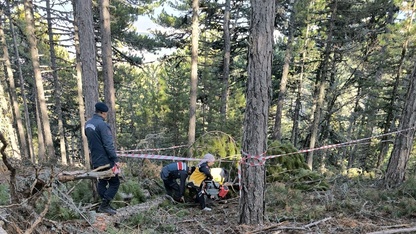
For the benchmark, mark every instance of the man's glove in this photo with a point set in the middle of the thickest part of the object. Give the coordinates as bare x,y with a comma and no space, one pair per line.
116,169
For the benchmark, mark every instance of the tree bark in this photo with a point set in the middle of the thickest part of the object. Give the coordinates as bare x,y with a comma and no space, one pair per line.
109,93
194,74
12,182
403,143
87,55
41,139
43,110
58,90
28,141
81,103
260,54
6,115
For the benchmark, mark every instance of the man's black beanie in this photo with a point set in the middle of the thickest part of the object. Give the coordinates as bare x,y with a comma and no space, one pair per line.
101,106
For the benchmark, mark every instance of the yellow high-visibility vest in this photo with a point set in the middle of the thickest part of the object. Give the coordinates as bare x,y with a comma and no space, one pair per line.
197,177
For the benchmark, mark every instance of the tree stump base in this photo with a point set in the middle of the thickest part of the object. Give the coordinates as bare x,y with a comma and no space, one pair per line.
102,221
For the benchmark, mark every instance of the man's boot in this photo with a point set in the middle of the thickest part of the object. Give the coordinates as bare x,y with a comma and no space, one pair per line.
111,207
105,207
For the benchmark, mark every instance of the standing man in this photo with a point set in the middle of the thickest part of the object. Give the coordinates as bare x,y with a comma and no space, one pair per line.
103,153
170,173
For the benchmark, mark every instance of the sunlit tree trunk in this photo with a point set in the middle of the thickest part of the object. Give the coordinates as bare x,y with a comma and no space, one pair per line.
41,139
43,111
109,93
17,150
26,148
58,90
87,55
194,73
5,114
81,106
260,54
25,142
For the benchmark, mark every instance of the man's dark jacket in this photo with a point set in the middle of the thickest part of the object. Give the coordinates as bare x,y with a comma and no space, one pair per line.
100,142
173,171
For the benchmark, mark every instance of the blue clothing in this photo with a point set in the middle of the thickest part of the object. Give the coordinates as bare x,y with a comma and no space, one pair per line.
107,188
169,174
102,151
100,142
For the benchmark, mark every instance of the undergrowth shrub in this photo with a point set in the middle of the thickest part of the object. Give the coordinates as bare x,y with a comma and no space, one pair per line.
4,194
82,191
216,143
286,203
223,146
133,188
60,210
292,169
408,188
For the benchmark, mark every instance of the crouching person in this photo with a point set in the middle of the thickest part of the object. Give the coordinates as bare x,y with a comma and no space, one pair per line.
170,173
196,180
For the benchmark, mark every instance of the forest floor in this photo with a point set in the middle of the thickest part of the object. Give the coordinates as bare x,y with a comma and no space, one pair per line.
349,206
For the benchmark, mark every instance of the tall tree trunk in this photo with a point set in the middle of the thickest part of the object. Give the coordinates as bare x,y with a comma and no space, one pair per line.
81,106
194,73
299,83
6,117
331,100
87,55
18,150
277,130
41,138
350,157
388,124
26,151
320,86
226,63
403,143
58,90
260,55
109,93
47,133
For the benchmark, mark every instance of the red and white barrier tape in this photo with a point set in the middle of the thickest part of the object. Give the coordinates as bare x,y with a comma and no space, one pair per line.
262,158
156,156
155,149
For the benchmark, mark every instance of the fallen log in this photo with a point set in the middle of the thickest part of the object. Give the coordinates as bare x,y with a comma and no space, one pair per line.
66,176
400,230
